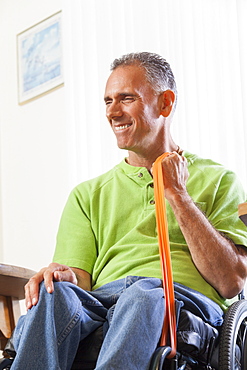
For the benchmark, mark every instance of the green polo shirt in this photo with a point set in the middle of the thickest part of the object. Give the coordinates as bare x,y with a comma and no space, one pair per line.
108,225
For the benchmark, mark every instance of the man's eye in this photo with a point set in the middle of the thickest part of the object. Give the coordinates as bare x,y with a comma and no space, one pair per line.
107,102
128,99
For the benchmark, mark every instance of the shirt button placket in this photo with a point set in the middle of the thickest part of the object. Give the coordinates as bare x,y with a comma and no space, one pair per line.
151,186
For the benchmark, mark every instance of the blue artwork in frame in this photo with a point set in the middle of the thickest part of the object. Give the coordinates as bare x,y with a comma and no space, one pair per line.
40,67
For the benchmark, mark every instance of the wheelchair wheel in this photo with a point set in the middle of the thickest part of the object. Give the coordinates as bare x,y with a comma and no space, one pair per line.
233,338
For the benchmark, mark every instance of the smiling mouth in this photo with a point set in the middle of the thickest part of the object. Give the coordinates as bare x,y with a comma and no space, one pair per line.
123,127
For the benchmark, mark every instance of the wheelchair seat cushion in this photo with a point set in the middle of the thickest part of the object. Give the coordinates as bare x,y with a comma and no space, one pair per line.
88,351
194,335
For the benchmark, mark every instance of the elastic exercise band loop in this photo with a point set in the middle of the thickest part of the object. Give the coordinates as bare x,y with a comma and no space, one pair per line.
169,326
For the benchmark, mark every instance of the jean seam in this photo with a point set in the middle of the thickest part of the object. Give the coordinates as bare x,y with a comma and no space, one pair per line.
90,303
68,328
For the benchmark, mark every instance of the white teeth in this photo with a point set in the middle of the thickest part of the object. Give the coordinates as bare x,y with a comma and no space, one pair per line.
121,127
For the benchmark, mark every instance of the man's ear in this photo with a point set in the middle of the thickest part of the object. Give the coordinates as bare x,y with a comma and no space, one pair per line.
167,100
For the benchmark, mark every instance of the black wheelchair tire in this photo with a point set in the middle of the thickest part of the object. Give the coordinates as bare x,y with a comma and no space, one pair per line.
234,336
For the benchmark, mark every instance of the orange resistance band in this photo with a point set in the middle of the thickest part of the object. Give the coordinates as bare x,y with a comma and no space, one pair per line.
169,326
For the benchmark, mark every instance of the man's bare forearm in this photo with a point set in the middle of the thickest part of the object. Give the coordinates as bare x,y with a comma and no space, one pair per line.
219,261
83,278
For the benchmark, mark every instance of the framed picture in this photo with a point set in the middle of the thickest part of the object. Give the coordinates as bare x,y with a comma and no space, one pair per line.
40,65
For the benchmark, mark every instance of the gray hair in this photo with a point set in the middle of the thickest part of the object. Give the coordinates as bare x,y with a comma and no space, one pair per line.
158,71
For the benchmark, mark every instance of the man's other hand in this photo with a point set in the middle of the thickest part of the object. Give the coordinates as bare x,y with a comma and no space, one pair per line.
54,272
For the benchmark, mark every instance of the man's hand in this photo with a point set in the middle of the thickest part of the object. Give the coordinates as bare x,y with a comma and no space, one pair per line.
175,174
54,272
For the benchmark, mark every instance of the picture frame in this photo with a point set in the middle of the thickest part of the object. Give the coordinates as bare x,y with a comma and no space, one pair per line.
39,58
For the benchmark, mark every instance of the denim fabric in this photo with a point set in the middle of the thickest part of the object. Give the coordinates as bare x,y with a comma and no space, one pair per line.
199,305
131,311
48,336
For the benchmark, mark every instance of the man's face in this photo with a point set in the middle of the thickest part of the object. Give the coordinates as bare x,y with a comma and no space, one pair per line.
132,108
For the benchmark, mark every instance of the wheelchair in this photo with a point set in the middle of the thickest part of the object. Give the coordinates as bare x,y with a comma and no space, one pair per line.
229,352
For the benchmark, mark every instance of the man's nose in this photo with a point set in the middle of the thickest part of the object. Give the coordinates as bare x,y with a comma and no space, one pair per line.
114,110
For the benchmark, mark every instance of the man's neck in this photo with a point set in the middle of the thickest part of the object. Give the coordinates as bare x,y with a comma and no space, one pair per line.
138,160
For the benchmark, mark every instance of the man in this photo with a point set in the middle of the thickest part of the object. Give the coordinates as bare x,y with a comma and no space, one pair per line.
106,265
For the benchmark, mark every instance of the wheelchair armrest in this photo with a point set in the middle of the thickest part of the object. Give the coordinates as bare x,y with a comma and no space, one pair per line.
13,279
242,212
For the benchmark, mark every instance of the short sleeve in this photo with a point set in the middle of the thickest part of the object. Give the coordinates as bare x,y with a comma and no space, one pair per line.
224,215
76,245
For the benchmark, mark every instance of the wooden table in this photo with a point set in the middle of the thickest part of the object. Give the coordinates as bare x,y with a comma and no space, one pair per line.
12,281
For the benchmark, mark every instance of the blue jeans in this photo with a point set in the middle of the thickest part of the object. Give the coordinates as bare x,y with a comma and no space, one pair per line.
131,311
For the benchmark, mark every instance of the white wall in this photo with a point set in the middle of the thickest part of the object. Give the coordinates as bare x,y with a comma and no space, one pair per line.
204,40
34,151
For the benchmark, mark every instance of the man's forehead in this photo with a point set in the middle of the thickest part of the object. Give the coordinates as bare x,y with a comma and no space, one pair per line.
126,79
130,73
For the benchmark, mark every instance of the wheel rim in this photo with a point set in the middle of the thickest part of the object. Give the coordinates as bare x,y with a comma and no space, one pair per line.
233,342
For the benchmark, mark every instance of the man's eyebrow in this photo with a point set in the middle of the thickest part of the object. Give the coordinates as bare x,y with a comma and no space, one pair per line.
107,98
121,96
